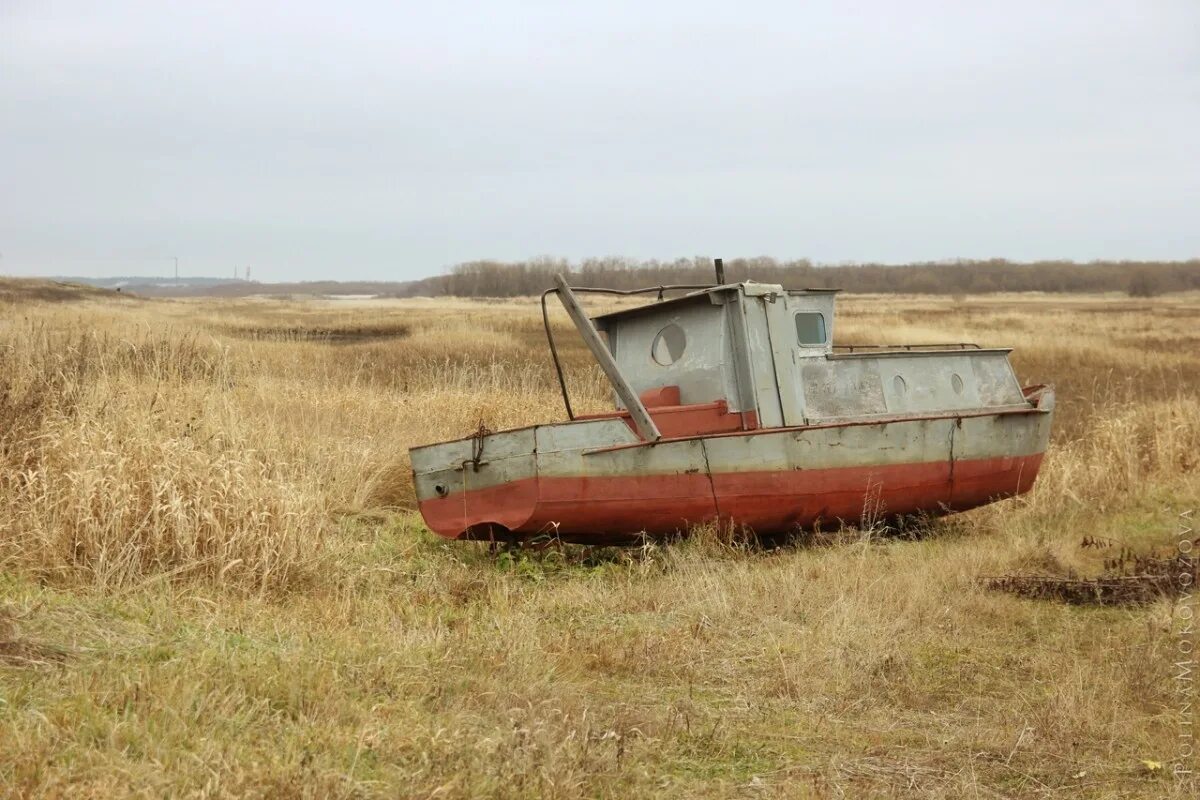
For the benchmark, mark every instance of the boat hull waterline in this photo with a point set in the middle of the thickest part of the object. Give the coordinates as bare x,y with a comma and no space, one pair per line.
592,481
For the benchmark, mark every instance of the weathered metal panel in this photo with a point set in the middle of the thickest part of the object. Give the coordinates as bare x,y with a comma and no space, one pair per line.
919,385
997,383
902,383
501,458
461,484
762,364
899,442
583,435
743,372
781,335
436,483
625,490
704,371
801,302
996,456
502,444
779,480
670,457
833,389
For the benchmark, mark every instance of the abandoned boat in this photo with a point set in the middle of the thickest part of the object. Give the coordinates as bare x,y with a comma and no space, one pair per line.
734,406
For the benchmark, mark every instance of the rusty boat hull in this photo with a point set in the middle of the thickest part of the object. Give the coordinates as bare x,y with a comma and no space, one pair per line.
733,406
594,481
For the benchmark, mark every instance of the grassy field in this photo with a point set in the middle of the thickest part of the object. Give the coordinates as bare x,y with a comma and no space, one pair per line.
212,583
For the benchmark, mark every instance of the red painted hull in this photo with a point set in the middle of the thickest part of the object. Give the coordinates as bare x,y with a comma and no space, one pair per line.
592,481
596,509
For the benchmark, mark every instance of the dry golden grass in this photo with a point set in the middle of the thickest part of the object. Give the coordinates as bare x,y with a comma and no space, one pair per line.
209,586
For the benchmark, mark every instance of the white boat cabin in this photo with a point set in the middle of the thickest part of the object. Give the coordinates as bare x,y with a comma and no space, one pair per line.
769,351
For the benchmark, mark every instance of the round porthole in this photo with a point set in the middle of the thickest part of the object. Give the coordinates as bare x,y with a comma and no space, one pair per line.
956,383
899,385
668,345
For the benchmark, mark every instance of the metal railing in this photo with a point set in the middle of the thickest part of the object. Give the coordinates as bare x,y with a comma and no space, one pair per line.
852,348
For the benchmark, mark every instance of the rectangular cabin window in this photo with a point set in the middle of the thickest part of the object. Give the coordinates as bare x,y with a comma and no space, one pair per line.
810,328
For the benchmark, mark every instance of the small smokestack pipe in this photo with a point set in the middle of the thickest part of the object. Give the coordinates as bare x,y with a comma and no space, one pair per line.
719,265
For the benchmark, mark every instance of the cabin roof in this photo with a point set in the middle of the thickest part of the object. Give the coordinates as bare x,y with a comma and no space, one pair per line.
749,288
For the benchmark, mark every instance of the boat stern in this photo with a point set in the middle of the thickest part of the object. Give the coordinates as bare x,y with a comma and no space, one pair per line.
478,487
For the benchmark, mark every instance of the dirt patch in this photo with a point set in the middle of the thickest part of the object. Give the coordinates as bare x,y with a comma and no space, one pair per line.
1129,579
1123,591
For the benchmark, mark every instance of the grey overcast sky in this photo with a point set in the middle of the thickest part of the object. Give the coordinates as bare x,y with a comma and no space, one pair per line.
389,140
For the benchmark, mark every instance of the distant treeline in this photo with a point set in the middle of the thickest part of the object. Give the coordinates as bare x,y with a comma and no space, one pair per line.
510,279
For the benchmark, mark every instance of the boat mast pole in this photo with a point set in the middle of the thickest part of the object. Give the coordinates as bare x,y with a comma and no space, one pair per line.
641,417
